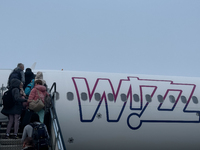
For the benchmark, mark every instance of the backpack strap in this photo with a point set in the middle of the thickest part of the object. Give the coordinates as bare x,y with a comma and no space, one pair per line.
38,94
33,125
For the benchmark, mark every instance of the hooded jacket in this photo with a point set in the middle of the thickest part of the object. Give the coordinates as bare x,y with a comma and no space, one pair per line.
17,109
39,76
39,91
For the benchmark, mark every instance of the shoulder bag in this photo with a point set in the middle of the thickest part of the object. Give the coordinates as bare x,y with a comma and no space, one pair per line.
36,105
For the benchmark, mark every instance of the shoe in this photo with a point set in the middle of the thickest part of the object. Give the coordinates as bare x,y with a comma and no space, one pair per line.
16,137
6,137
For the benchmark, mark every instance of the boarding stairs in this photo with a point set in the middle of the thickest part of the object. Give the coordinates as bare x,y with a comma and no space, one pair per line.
8,144
57,142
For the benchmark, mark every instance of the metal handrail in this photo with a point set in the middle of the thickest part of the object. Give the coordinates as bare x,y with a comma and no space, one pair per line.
2,89
56,125
53,86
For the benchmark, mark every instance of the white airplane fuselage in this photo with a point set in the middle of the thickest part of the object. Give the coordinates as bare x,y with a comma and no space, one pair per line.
99,111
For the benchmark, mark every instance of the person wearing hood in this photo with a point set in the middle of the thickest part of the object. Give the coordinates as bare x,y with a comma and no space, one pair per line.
39,91
17,73
29,76
14,112
39,76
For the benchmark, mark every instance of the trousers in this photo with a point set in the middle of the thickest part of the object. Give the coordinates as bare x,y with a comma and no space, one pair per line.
13,119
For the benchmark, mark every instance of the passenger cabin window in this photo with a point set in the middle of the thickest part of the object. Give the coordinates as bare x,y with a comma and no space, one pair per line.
110,97
183,99
160,98
195,100
84,96
123,97
172,99
70,96
148,98
136,98
97,96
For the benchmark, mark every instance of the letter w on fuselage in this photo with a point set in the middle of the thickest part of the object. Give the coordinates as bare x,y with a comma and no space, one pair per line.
103,87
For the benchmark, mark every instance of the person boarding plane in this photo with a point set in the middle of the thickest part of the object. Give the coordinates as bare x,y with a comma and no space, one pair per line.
123,111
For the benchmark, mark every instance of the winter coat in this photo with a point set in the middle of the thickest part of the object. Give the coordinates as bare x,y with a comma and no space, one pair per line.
41,89
17,73
29,87
28,77
17,108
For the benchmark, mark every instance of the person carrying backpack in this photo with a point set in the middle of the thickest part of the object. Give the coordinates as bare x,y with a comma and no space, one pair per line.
38,132
13,112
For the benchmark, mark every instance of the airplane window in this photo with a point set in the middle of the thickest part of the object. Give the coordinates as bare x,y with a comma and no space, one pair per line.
172,99
110,97
84,96
195,100
123,97
97,96
148,98
136,98
160,98
70,96
183,99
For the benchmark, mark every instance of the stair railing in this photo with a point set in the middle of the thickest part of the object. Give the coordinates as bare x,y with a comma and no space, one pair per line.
57,141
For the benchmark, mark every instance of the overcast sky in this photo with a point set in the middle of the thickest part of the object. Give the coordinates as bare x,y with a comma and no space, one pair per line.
157,37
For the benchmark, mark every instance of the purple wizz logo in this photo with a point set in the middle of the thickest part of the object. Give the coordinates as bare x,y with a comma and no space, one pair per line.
143,110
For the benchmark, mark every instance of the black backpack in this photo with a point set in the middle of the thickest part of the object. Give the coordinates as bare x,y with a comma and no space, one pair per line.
8,101
40,136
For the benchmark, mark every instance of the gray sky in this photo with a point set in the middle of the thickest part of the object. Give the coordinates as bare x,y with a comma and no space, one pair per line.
160,37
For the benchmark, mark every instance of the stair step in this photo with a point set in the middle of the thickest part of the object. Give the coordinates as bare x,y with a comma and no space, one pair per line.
4,124
10,147
3,130
4,134
10,142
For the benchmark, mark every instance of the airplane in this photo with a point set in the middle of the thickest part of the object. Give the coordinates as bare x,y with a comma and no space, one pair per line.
118,111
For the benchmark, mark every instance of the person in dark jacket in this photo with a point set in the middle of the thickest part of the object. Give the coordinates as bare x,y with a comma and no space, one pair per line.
17,73
29,76
14,112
